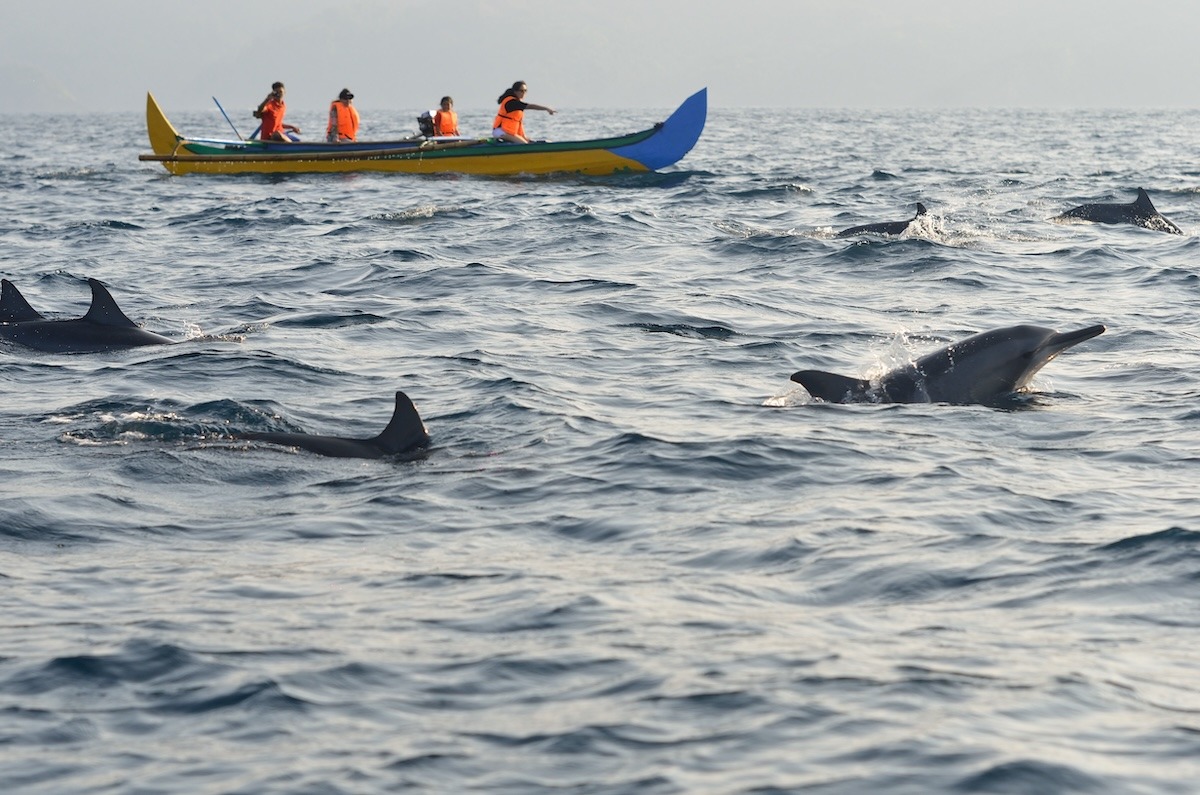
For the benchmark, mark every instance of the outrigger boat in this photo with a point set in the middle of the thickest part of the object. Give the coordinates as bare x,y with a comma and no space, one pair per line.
661,145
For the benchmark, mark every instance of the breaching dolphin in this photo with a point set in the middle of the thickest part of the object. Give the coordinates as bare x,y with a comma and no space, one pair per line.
985,368
404,432
886,228
103,328
1141,212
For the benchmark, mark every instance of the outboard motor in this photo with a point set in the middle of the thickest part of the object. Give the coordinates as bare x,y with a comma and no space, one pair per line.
425,122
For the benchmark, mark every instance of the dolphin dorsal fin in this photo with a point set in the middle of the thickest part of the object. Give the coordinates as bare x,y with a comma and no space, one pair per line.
404,431
104,310
1143,202
831,387
920,210
13,306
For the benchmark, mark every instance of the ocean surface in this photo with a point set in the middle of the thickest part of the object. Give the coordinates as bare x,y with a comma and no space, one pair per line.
636,558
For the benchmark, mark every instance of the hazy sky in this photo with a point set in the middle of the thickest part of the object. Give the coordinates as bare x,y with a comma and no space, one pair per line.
84,55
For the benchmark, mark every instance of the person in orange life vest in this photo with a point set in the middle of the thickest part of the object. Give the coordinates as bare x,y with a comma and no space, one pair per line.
445,121
271,111
343,119
510,116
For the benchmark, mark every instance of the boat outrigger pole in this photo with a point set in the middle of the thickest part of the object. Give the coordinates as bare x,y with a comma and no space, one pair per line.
226,115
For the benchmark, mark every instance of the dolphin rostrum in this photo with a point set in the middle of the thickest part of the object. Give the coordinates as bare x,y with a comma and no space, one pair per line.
1140,212
103,328
985,368
886,228
404,432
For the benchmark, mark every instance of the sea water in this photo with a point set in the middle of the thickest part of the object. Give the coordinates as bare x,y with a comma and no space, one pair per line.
636,557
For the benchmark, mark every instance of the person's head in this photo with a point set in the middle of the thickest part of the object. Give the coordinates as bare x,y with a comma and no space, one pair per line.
447,103
277,88
344,95
518,90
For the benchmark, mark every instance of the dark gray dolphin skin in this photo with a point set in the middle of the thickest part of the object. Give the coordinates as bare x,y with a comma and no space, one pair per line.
1140,212
404,432
103,328
986,368
887,228
13,306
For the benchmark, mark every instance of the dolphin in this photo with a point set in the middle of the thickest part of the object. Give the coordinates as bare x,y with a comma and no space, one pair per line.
103,328
13,306
887,228
985,368
404,432
1141,212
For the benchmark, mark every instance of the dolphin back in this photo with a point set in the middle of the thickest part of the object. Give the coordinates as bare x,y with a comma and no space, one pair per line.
104,310
103,328
885,228
1146,215
1140,212
331,446
404,432
13,306
833,388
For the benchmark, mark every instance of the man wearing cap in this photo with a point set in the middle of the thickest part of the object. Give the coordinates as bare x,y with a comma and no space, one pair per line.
343,119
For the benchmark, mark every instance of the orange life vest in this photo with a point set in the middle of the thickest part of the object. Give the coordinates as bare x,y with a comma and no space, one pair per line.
343,122
445,122
510,121
272,118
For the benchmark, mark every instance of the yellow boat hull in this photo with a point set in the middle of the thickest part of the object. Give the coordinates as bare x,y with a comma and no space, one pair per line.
590,163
